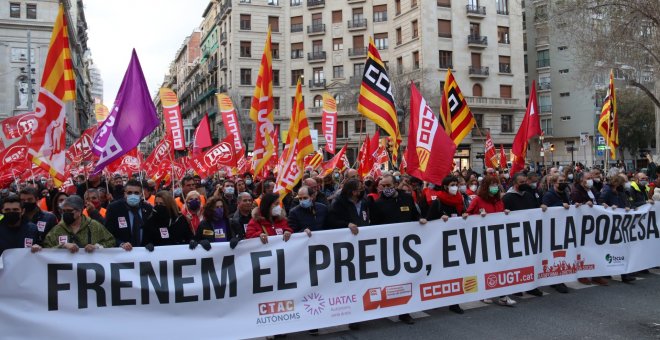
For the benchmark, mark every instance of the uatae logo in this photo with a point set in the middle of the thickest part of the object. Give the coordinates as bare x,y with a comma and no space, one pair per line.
614,260
314,303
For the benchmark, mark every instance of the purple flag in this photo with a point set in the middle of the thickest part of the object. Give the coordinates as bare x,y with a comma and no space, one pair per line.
132,118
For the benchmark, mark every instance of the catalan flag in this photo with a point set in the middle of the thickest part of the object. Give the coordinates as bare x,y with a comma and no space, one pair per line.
455,115
608,124
298,145
261,111
376,101
47,144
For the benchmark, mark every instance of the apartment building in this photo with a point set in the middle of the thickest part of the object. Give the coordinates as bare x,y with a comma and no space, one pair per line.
325,44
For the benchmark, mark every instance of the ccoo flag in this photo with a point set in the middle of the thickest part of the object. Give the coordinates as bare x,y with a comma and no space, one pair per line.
172,117
329,123
47,146
132,118
430,150
230,119
376,101
608,123
455,115
529,128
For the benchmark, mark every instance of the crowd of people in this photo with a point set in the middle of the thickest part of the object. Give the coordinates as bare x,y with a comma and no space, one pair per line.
198,212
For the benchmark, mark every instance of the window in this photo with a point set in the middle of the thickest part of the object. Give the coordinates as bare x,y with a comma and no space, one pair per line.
296,24
546,126
338,71
358,42
297,50
565,94
380,13
337,44
246,76
276,77
399,65
505,64
296,2
318,126
380,40
474,29
14,10
274,23
503,35
246,48
444,28
563,71
317,75
295,74
479,118
246,22
361,126
413,3
276,103
397,7
562,48
317,46
275,50
502,7
445,59
358,14
274,2
545,103
318,100
565,118
507,123
444,3
336,17
415,57
246,102
31,11
415,30
477,91
358,70
398,36
505,91
342,129
317,19
543,58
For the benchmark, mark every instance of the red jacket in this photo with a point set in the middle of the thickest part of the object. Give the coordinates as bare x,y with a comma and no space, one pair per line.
490,207
259,225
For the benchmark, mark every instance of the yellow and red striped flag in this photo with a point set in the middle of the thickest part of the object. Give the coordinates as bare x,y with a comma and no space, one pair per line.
376,101
47,147
455,115
261,111
298,145
608,124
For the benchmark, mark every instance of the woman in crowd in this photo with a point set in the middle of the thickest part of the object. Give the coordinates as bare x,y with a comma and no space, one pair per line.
215,226
557,196
268,220
192,210
58,200
166,226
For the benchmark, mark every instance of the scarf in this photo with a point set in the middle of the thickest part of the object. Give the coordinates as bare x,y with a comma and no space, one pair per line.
455,201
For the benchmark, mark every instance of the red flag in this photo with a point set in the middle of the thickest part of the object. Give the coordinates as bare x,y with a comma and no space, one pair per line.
127,163
230,119
222,154
172,117
334,162
364,158
431,149
14,157
16,127
163,151
490,154
329,123
529,128
81,149
202,136
404,164
502,158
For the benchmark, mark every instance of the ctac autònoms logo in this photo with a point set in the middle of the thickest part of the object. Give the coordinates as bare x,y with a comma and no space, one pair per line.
614,260
276,312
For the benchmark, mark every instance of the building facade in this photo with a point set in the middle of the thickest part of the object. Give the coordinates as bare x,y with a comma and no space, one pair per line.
324,43
20,75
96,82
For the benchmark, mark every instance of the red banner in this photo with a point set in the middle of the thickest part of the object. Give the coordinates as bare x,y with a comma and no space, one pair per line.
81,149
230,119
222,154
172,117
17,126
162,152
14,157
329,123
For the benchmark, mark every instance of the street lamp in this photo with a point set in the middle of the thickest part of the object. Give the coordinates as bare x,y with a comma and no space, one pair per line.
552,154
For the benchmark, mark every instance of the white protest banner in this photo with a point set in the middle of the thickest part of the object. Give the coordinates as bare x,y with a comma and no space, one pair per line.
329,279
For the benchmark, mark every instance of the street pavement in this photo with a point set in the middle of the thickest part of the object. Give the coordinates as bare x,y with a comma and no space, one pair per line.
617,311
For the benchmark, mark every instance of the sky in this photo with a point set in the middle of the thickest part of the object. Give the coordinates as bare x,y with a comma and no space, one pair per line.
155,29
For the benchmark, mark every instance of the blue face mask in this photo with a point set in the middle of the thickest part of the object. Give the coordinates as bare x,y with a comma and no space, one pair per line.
306,203
133,200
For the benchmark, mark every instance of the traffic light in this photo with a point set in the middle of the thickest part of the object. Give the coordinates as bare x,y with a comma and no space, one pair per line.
552,148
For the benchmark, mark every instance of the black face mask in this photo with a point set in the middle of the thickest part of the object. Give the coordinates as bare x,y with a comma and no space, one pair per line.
563,186
368,184
12,217
524,187
119,188
68,218
29,206
161,213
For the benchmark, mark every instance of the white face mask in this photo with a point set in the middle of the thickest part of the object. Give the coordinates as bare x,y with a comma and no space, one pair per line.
570,176
277,211
462,188
506,176
480,179
453,190
590,183
473,188
627,185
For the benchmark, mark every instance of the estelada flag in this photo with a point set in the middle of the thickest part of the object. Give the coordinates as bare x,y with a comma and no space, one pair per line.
490,154
529,128
431,151
376,101
261,111
455,115
47,147
608,123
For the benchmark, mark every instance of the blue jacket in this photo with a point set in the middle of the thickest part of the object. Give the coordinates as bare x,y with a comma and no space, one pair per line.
552,198
22,237
611,197
313,217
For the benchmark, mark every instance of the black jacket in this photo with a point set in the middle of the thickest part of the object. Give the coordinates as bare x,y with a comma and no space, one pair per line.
166,233
580,195
438,209
23,236
119,223
238,224
206,231
515,201
343,211
552,198
639,194
394,209
313,217
44,221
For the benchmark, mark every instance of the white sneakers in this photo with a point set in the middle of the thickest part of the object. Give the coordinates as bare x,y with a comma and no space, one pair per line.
507,301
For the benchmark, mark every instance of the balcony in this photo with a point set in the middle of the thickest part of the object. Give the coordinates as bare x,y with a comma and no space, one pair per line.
505,68
478,71
316,29
479,133
297,54
541,63
226,8
212,64
295,28
223,63
475,11
491,102
478,41
358,24
315,3
223,38
359,52
317,56
546,86
545,108
317,84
